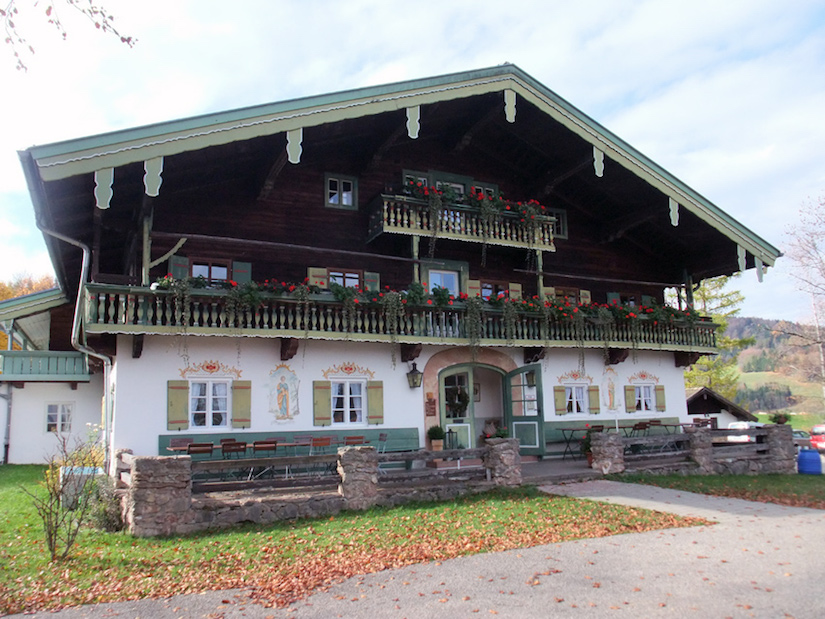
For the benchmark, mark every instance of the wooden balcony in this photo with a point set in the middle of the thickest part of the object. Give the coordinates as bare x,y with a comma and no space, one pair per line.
411,216
44,366
125,310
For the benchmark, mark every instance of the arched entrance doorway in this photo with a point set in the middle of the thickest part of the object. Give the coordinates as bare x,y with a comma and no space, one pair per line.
470,397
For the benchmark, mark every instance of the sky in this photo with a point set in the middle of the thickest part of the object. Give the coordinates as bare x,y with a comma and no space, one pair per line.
727,96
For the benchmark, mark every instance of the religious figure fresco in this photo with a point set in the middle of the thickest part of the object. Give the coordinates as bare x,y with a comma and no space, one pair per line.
283,393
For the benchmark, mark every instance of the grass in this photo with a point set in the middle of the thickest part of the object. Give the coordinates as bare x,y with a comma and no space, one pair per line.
807,412
793,490
284,562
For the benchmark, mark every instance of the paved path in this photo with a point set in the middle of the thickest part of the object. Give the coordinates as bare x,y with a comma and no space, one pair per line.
760,560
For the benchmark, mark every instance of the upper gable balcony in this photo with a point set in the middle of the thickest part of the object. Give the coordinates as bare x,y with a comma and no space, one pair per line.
399,214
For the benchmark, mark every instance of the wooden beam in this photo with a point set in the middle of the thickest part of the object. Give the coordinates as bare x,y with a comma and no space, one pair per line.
685,359
410,352
534,354
616,355
464,141
137,346
289,348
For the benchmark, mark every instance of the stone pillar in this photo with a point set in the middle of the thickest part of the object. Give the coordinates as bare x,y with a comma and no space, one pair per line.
503,461
358,468
160,496
608,452
701,448
781,449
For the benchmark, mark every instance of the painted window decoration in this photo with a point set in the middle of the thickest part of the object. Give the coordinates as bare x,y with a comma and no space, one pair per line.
209,403
348,402
341,192
644,394
283,393
59,417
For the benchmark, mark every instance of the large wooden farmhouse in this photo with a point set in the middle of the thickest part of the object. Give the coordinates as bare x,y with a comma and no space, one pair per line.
467,250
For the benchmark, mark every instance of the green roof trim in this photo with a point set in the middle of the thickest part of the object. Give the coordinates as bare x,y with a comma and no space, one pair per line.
89,154
31,304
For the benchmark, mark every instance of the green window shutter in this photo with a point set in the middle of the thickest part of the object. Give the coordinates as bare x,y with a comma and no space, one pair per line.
372,281
648,300
177,404
614,298
242,272
515,290
375,402
585,297
179,267
560,399
241,403
660,398
321,403
593,400
473,288
630,398
317,276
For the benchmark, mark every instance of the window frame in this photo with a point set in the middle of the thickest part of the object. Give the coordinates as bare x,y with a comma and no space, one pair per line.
645,398
211,263
358,273
208,411
577,396
341,179
560,230
347,409
63,420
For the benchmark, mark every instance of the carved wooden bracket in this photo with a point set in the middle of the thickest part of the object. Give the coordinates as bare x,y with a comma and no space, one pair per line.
289,348
533,355
685,359
617,355
137,346
410,352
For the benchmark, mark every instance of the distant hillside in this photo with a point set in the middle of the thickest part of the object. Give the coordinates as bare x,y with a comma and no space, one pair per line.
779,371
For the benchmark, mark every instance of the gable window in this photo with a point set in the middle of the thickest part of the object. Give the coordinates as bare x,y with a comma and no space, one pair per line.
348,402
211,270
59,417
209,403
341,192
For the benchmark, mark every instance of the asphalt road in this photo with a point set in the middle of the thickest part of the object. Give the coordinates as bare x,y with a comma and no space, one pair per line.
758,560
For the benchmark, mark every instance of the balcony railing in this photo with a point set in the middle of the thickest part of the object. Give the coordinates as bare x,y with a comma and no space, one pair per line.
117,309
406,215
44,366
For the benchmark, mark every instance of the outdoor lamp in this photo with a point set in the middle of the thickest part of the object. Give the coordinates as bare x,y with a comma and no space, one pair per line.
414,377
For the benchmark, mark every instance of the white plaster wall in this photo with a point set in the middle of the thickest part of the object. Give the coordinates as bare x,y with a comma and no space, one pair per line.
29,442
659,366
140,398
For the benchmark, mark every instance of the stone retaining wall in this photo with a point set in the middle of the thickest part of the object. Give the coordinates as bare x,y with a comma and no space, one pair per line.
159,500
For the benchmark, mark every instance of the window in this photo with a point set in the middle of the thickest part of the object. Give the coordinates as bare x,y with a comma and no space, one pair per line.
560,225
345,278
644,398
571,294
347,402
209,403
576,398
444,279
211,270
492,289
59,417
341,192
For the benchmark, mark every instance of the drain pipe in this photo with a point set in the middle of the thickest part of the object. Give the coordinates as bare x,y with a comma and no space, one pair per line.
77,345
7,437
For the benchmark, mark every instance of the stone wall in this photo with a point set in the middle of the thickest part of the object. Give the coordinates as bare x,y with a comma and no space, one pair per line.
159,500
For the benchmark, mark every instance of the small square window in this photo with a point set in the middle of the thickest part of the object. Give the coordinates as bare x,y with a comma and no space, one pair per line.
644,398
444,279
576,396
348,402
59,417
341,192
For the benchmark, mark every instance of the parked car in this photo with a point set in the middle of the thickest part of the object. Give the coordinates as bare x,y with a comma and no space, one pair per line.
743,425
801,440
818,437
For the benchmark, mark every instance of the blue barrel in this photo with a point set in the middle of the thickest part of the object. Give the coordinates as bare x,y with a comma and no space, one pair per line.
809,462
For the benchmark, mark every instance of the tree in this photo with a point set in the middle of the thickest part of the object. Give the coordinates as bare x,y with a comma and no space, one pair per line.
95,12
718,372
22,284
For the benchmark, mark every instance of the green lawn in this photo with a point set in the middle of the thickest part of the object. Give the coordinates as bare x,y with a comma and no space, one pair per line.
286,561
810,409
794,490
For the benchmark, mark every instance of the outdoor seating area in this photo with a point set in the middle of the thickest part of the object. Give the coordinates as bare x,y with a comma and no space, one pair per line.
298,445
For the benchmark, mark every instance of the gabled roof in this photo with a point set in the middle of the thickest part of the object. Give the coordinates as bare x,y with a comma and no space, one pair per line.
31,314
695,394
151,144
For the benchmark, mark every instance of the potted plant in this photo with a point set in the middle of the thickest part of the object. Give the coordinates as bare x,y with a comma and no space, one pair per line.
586,446
436,435
780,418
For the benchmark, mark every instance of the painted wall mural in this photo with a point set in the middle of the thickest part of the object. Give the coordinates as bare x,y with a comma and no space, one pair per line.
608,389
283,393
211,368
